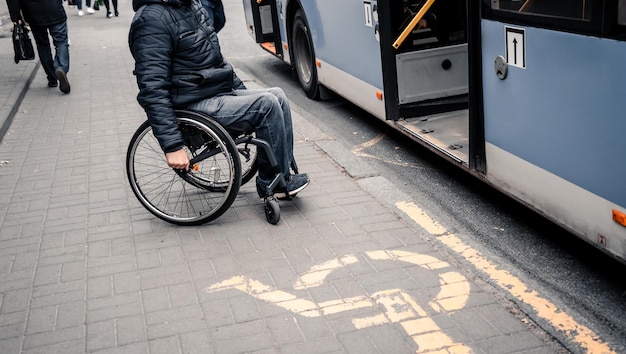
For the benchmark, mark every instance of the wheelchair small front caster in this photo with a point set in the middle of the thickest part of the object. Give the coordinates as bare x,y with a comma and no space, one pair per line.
272,211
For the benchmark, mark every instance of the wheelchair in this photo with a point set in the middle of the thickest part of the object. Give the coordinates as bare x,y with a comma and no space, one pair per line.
220,163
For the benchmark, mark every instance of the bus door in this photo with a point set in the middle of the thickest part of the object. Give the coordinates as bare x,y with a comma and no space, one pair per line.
262,24
425,71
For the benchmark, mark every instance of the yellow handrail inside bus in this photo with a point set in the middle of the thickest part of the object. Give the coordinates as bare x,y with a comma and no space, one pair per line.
526,5
416,19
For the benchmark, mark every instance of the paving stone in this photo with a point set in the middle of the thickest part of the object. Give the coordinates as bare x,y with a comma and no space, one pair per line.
130,329
100,335
169,345
54,338
513,342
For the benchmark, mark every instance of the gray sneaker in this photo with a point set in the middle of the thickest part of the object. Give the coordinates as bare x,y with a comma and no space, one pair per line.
295,184
64,84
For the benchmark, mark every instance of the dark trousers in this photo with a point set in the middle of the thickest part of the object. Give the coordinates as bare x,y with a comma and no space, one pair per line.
61,59
108,5
264,111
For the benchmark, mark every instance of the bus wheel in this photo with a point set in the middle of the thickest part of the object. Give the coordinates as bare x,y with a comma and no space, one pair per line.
304,56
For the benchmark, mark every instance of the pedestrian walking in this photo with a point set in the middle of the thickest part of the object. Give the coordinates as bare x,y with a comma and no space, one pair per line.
79,5
107,4
46,18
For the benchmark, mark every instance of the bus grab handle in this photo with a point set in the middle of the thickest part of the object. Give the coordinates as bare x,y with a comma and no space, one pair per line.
416,19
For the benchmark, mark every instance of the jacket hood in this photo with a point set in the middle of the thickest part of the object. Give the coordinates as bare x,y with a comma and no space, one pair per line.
174,3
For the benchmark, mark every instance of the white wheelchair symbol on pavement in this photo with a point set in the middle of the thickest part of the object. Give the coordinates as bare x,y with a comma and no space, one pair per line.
398,305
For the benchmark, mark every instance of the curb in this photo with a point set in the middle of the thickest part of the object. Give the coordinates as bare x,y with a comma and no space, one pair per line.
15,98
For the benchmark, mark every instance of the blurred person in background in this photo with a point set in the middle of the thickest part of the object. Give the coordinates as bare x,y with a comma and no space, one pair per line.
79,5
46,18
107,4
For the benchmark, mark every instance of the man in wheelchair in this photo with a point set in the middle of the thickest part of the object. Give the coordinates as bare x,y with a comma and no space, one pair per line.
179,65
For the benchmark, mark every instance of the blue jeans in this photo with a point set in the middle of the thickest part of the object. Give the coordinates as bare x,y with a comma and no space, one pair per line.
267,113
79,3
61,59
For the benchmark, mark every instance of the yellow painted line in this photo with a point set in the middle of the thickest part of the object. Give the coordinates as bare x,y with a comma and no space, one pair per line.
402,309
455,288
351,303
560,320
290,302
317,274
399,306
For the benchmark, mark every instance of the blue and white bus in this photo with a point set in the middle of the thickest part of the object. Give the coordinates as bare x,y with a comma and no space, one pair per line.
528,95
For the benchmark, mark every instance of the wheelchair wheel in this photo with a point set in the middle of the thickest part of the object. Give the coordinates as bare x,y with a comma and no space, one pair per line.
272,211
191,197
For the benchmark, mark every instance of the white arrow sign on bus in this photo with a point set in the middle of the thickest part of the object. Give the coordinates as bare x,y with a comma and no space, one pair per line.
515,47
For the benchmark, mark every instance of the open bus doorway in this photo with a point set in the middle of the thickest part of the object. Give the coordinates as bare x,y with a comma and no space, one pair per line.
425,72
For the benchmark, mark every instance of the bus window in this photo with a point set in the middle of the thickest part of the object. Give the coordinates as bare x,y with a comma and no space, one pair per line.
599,18
570,9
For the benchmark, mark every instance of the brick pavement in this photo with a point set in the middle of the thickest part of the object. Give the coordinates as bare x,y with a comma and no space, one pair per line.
84,268
16,78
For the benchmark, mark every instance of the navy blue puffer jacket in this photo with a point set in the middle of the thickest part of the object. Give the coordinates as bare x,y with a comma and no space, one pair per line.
177,62
37,12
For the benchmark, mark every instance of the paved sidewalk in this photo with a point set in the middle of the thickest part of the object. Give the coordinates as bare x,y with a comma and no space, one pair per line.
84,268
15,78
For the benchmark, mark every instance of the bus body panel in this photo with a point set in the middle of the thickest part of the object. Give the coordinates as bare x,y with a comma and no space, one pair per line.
579,211
353,89
344,37
562,114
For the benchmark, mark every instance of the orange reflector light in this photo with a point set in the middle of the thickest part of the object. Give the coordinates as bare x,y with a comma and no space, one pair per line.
285,46
379,95
195,167
619,217
318,63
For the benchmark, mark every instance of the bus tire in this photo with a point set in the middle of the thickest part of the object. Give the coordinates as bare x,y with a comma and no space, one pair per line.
304,56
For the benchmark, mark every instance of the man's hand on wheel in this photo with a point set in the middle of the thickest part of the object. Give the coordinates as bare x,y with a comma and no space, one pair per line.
178,159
